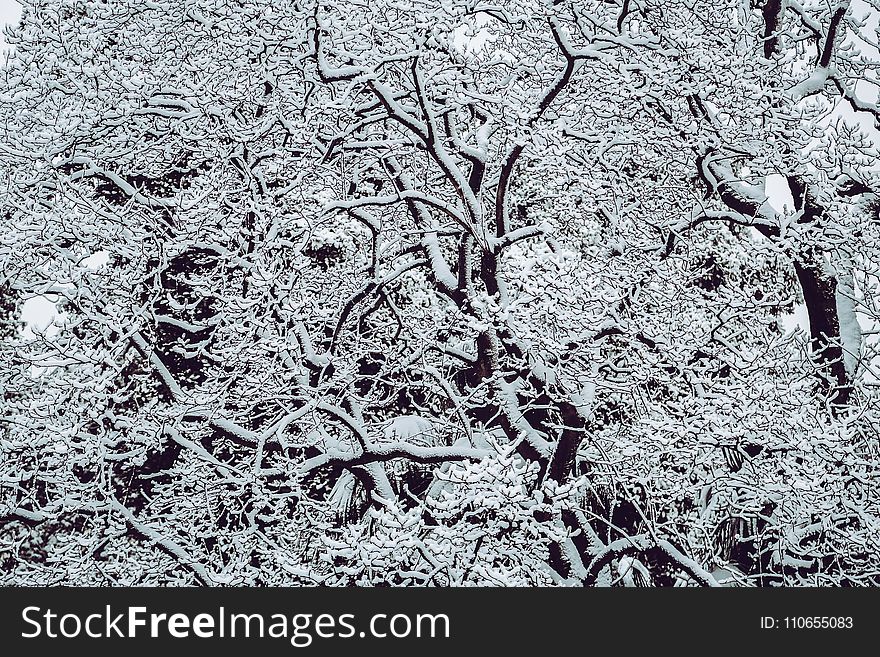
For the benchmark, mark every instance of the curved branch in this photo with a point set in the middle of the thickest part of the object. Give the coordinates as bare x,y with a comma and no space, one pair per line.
397,450
640,543
513,156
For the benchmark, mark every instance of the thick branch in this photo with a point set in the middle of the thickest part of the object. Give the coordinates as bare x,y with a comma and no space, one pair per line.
640,543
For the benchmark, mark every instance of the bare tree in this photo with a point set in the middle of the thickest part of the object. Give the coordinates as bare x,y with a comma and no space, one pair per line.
441,295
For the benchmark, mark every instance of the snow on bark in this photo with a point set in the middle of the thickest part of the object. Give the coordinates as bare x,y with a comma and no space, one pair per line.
447,293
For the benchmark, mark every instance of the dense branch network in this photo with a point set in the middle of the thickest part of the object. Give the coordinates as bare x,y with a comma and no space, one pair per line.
448,295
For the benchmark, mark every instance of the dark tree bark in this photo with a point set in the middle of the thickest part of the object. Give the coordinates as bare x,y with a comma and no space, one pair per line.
772,12
819,292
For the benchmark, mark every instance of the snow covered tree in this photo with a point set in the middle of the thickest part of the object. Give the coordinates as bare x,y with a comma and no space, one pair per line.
451,293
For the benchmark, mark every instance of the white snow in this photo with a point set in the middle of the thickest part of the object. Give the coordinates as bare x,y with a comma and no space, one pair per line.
778,193
850,330
95,261
409,427
41,316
